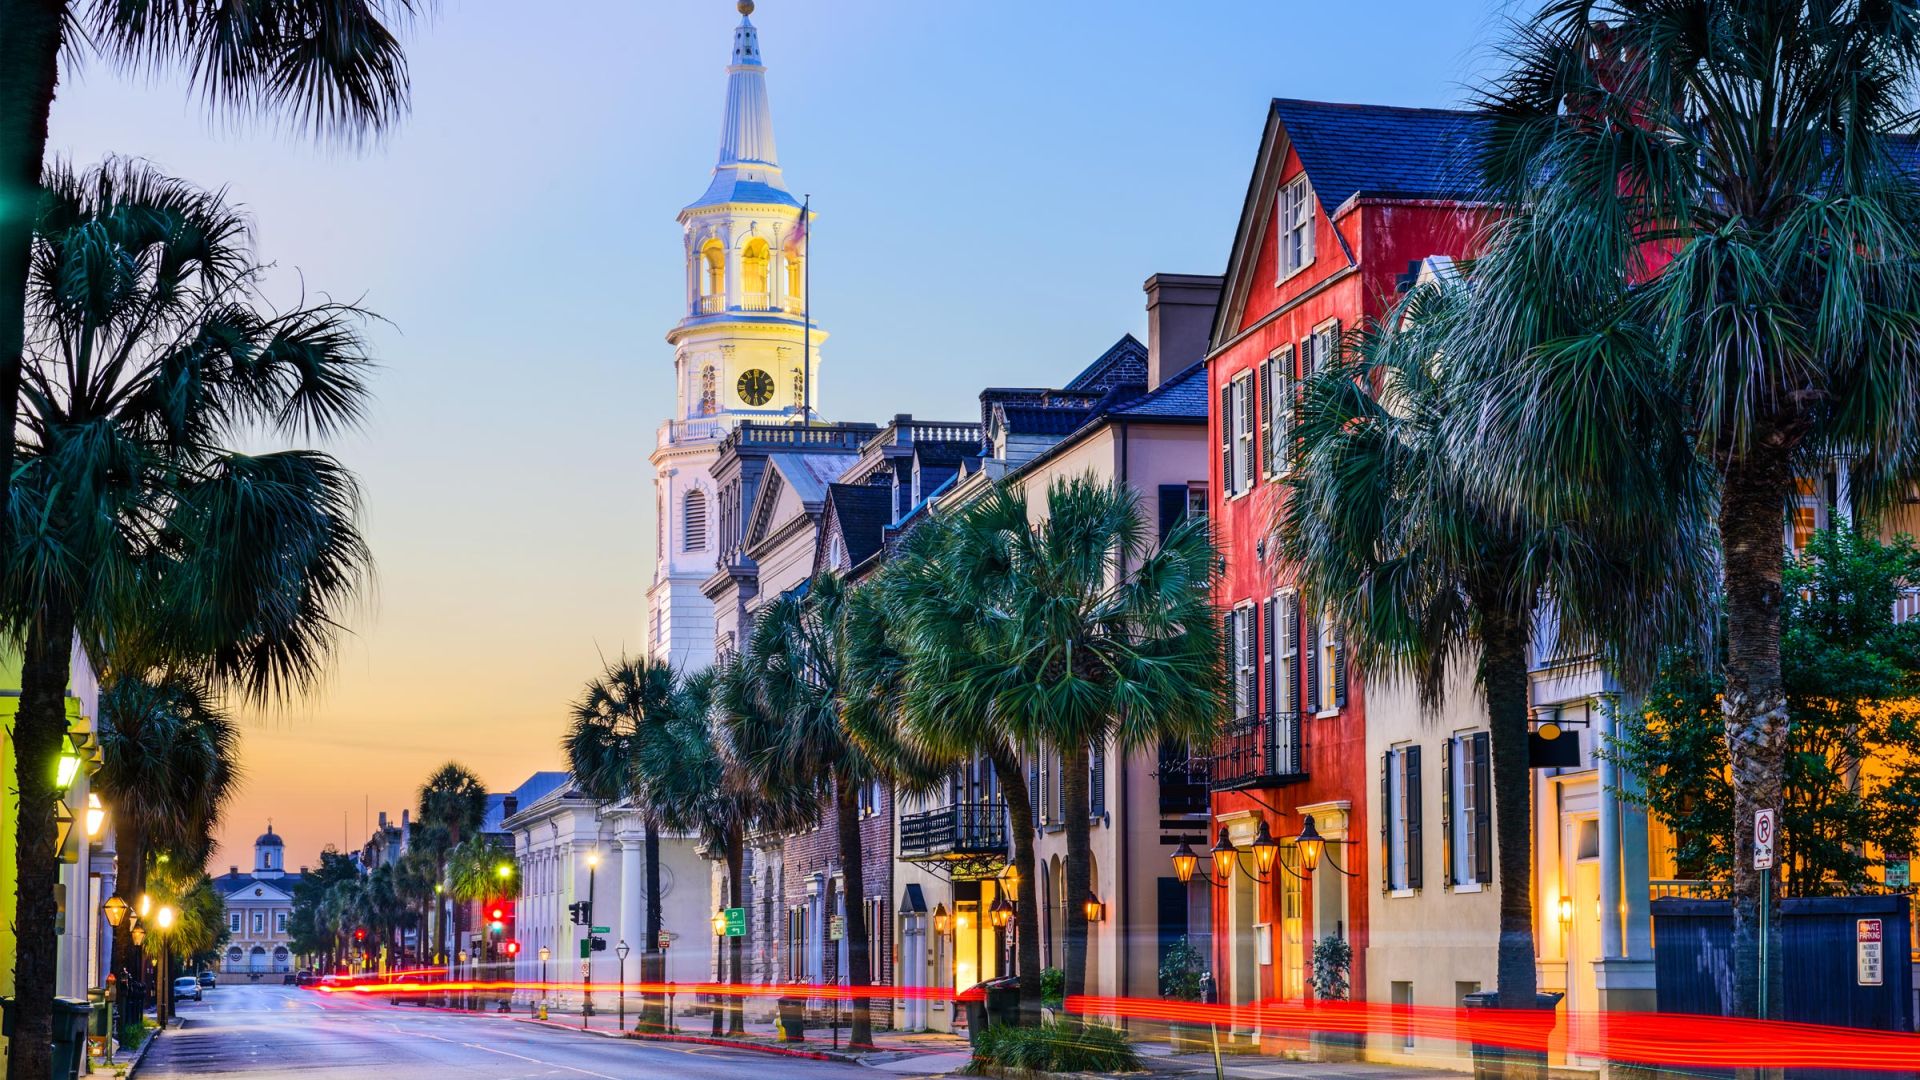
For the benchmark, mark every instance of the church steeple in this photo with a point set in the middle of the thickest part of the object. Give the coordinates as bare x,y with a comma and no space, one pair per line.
749,166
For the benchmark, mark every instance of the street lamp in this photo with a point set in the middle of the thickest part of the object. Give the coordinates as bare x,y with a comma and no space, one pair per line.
1010,882
719,922
1001,913
138,934
96,816
144,905
505,870
621,950
586,958
163,921
67,768
116,911
1096,910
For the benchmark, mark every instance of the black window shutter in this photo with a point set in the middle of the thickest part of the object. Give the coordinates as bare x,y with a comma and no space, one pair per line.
1482,809
1266,415
1446,812
1415,834
1387,883
1312,659
1266,654
1173,508
1339,633
1097,778
1059,788
1292,619
1033,788
1226,440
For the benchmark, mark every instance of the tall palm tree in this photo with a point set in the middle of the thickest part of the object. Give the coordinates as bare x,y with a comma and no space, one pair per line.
629,703
453,802
1427,577
1710,243
1071,633
151,353
170,765
474,876
795,672
333,66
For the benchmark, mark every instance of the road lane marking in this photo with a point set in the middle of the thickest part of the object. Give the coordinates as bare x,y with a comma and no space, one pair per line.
537,1061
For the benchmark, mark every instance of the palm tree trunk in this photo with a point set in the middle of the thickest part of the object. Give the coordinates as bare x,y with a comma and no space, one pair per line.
1074,789
130,844
1754,704
39,727
736,947
1026,914
1503,662
846,798
652,961
31,34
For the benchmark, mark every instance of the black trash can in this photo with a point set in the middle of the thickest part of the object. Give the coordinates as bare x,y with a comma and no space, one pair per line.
70,1018
976,1015
6,1017
793,1020
1003,1000
1490,1061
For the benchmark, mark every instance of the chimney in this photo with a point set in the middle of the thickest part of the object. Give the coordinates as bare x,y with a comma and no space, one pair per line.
383,821
509,806
1180,311
235,870
303,869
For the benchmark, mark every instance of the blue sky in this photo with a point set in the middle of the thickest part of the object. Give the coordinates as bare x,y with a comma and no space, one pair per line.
994,181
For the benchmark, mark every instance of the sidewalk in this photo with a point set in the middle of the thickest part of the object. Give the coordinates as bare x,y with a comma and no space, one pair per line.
905,1053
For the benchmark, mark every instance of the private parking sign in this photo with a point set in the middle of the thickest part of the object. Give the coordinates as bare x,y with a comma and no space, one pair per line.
1869,959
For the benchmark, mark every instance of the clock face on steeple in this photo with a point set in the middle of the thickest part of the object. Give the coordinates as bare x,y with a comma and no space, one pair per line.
756,387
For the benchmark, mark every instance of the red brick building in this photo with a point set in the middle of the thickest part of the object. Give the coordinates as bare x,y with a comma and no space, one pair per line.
1343,201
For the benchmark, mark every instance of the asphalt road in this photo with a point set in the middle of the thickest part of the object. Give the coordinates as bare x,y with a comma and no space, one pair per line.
277,1031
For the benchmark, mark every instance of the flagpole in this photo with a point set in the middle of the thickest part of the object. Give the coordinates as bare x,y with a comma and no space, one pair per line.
806,311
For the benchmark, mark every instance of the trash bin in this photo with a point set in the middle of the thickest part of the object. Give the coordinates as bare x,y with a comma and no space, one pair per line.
1490,1060
793,1020
976,1003
70,1018
1003,1000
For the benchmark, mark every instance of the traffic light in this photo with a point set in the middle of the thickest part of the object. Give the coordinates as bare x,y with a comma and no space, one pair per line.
359,933
496,913
577,913
512,947
599,944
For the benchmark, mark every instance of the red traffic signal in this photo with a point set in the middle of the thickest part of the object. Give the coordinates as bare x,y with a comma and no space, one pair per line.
359,934
512,947
498,913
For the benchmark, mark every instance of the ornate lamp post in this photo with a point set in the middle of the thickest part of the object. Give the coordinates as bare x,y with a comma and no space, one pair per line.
621,950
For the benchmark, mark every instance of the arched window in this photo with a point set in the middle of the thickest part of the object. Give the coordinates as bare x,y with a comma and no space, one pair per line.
796,284
693,531
709,391
755,286
714,282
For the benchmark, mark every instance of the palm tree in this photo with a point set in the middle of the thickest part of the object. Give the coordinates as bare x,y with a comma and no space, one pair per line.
1391,537
474,876
453,802
1710,244
629,703
133,519
169,767
333,66
1071,633
795,673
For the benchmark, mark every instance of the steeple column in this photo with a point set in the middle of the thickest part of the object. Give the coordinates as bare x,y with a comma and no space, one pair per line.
733,269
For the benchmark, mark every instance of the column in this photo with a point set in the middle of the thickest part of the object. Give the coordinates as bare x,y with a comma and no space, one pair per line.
633,927
733,270
1602,708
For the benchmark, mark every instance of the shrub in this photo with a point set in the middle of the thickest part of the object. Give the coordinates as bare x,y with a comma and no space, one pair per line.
1180,972
1054,1048
1332,957
1053,988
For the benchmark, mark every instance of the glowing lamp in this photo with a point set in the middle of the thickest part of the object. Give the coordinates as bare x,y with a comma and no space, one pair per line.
1001,913
593,858
164,917
1224,857
139,936
1010,882
1566,909
1184,862
144,905
116,911
719,922
497,914
940,922
1265,850
1312,845
67,766
96,816
1096,910
544,954
505,870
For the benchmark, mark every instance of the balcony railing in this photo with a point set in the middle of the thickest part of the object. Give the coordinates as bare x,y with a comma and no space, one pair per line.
758,301
1258,752
711,305
959,831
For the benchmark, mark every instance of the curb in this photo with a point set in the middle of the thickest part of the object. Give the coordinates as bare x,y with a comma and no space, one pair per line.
770,1049
140,1055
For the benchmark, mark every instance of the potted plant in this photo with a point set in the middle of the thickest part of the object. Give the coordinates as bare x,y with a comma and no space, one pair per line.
1332,963
1182,972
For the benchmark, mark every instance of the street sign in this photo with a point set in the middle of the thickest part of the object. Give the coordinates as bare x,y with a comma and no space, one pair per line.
1869,961
665,939
602,930
1763,839
837,928
586,947
1899,872
736,922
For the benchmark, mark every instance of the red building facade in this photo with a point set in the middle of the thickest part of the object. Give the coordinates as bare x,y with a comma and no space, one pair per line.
1343,201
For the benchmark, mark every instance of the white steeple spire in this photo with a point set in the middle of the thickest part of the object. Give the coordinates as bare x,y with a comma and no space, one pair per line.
749,167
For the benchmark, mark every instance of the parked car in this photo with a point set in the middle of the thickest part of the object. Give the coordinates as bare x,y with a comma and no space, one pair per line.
207,981
303,978
186,986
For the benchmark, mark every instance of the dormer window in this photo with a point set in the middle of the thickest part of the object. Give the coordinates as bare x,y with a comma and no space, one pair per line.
1295,214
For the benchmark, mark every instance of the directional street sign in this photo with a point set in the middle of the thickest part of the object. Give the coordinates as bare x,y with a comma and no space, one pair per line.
665,939
1763,839
603,929
736,922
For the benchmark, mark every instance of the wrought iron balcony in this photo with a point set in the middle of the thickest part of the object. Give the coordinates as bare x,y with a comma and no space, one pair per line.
967,839
1259,752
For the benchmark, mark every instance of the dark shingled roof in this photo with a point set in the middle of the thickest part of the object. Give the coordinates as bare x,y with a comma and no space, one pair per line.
1383,150
864,511
1182,397
1124,362
943,452
1029,420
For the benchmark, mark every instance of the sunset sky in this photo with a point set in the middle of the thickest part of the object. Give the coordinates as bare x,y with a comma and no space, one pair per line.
994,179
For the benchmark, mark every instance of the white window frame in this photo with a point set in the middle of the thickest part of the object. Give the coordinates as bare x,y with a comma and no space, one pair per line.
1399,868
1240,397
1463,874
1245,689
1295,218
1279,418
1325,649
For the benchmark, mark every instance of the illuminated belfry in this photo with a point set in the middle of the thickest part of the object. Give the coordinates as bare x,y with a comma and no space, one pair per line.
741,350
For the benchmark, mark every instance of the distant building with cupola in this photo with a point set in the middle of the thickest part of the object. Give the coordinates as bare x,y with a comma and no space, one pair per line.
259,905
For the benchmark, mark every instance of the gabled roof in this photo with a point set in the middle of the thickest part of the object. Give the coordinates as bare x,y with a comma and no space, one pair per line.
859,515
1125,361
1384,150
807,475
279,886
1183,397
1039,420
